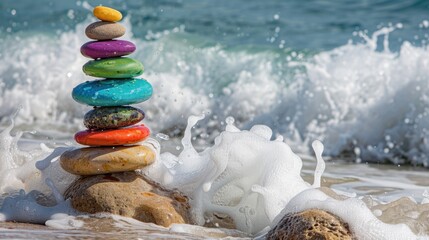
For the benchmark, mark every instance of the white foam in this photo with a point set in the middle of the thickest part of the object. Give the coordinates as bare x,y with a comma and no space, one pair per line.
63,221
22,183
356,98
245,175
320,168
256,181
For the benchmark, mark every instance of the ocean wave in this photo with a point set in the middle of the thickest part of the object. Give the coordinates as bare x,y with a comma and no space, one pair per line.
360,100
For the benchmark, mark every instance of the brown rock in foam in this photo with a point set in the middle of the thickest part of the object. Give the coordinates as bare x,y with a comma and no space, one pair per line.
310,224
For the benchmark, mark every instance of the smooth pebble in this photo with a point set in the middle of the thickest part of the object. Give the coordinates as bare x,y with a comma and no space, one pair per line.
107,14
112,117
112,92
107,49
121,67
104,30
113,137
101,160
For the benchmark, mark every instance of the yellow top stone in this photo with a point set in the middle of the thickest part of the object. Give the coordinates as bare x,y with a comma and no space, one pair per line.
107,14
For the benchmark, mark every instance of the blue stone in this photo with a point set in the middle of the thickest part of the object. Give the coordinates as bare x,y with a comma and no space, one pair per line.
112,92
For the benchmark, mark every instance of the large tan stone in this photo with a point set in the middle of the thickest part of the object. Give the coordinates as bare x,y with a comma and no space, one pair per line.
101,160
310,224
129,194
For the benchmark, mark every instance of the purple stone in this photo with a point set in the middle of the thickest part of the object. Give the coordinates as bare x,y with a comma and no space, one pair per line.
107,49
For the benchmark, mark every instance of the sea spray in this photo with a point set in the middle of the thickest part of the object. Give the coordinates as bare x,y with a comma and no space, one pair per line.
244,175
23,185
355,97
320,167
10,157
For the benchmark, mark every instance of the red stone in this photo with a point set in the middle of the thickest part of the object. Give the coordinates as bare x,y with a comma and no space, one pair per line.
113,137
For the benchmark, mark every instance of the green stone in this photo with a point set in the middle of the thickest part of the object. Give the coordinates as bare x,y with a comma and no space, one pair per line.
121,67
112,117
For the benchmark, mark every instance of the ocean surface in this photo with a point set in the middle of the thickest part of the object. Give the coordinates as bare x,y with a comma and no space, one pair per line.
353,74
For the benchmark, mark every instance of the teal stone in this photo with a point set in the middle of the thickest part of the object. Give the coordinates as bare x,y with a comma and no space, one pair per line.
120,67
112,92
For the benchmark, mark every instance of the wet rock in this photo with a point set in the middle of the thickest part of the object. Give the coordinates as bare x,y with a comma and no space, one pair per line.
310,224
112,117
107,14
102,160
129,194
104,30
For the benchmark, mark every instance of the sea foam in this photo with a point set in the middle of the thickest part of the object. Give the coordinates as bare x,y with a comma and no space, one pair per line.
241,175
256,181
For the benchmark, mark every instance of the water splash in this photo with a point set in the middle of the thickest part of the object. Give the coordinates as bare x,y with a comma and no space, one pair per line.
320,168
23,185
255,181
244,175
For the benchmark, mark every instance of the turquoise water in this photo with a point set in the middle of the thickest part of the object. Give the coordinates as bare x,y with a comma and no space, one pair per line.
350,73
314,25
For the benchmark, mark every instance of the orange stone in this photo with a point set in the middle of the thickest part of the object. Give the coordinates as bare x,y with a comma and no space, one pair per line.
107,14
114,137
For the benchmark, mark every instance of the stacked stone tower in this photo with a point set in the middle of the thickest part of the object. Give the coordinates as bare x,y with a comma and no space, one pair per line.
108,182
111,124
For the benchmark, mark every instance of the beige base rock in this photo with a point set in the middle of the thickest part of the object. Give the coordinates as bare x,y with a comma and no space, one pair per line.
101,160
310,224
129,194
